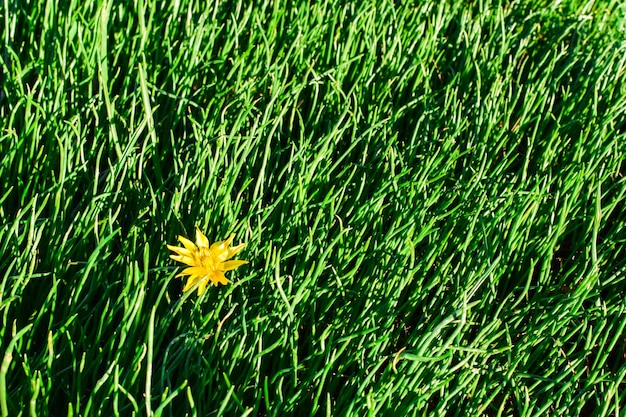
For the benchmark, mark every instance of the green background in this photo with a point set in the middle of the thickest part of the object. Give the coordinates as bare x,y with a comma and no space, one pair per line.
431,193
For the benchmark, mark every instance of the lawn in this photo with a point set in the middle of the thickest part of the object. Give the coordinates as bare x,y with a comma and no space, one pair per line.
431,195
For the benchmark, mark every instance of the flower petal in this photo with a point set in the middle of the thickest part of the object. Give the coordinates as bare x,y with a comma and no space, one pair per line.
222,245
179,250
184,259
218,277
202,286
234,250
194,270
230,265
190,283
201,239
187,243
230,239
218,247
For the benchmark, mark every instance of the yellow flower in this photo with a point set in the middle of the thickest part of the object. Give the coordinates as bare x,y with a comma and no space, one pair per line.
205,262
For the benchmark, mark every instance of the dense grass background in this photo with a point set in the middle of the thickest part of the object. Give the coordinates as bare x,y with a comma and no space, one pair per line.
432,196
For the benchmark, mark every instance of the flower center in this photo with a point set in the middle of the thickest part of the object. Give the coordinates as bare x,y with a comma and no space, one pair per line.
207,259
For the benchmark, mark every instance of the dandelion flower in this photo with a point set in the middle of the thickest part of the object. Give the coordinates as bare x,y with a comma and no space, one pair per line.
206,263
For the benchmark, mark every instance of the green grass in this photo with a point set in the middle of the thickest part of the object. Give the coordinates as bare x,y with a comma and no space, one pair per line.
432,198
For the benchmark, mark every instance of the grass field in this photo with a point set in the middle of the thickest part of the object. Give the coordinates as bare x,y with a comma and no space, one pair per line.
431,195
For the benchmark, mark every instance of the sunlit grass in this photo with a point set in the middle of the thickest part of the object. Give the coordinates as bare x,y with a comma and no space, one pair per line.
431,198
